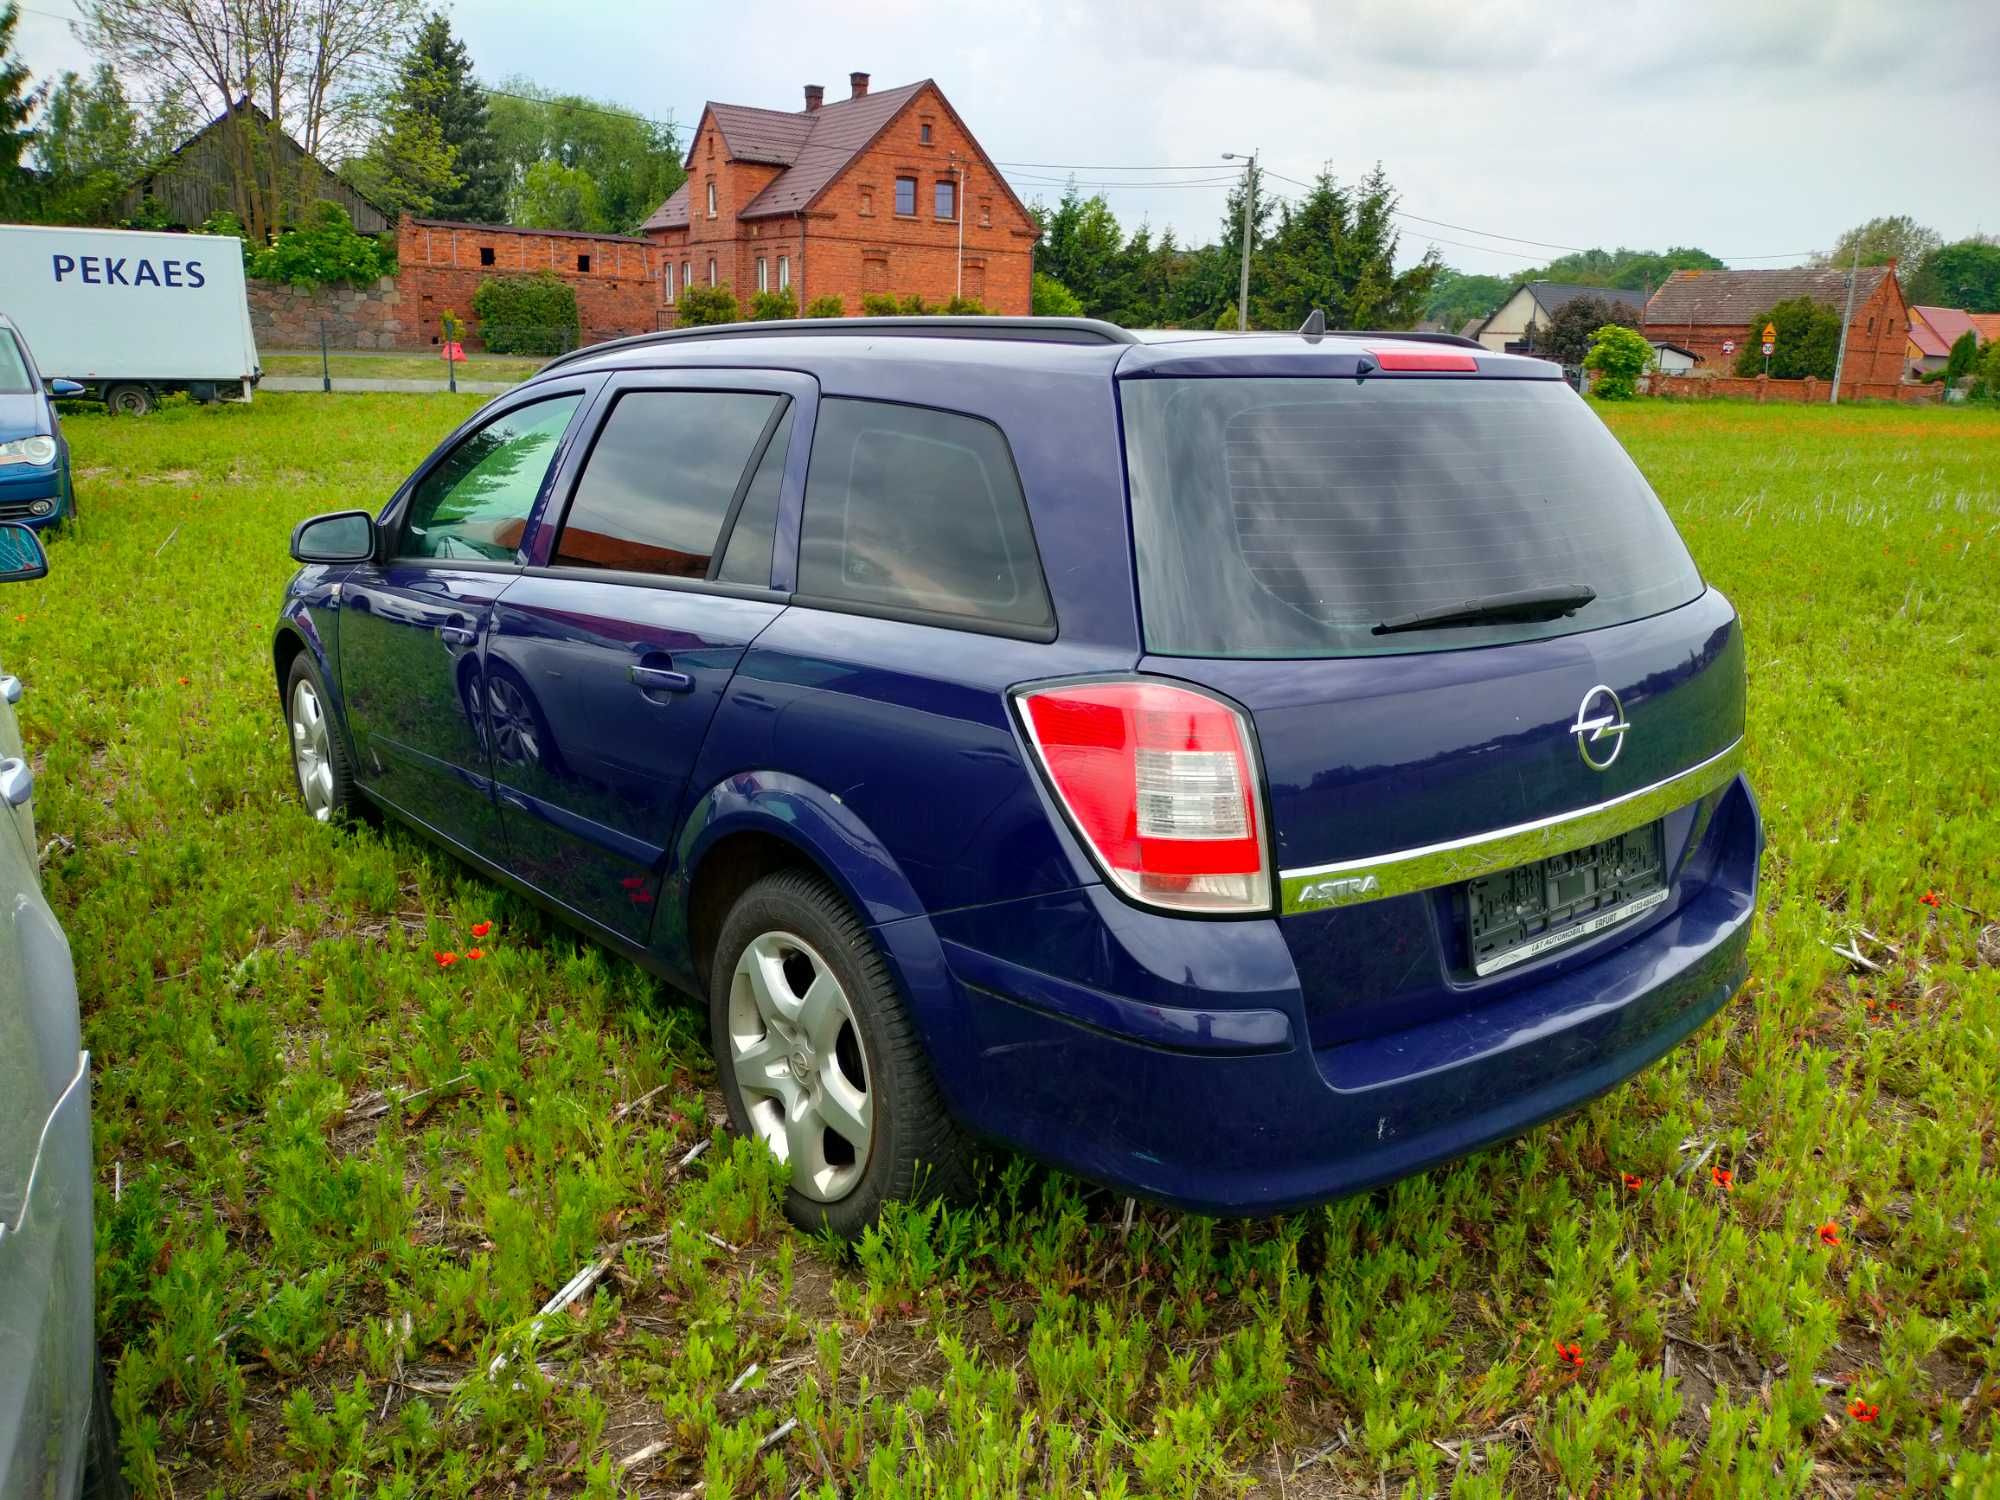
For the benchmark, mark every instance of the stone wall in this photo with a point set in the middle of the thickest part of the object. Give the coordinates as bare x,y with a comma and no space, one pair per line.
284,317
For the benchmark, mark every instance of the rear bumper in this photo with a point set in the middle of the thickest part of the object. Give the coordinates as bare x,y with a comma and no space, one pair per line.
1229,1109
46,1334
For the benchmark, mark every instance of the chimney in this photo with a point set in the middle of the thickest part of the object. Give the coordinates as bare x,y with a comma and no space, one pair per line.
859,83
815,96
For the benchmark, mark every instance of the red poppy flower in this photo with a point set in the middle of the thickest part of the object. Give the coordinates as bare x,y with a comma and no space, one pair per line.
1570,1354
445,960
1633,1183
184,682
1829,1233
1863,1411
633,882
1931,898
480,929
1723,1178
475,953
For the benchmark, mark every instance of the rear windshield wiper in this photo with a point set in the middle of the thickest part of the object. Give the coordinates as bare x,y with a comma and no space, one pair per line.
1494,609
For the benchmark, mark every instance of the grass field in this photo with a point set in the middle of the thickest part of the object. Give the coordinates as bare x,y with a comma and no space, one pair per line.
337,1181
355,365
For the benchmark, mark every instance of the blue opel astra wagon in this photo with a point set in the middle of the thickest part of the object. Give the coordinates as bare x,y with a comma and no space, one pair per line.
1240,769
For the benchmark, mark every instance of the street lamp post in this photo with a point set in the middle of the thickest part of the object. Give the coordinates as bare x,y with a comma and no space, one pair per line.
1243,276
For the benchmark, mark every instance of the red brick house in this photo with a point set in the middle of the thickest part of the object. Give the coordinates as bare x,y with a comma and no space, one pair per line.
878,192
1699,310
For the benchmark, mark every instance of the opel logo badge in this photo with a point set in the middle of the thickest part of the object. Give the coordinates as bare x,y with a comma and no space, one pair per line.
1599,718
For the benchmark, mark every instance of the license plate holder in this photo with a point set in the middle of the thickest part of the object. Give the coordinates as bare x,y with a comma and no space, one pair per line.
1519,914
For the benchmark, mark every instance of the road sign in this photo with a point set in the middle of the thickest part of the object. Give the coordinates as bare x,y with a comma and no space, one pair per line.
1729,346
1768,347
1770,333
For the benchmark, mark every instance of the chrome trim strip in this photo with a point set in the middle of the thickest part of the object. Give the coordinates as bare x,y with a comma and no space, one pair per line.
1583,929
1378,876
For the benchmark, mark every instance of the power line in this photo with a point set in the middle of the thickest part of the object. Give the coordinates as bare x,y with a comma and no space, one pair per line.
1064,166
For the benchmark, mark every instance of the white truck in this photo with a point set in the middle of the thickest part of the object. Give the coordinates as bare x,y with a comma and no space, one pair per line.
132,314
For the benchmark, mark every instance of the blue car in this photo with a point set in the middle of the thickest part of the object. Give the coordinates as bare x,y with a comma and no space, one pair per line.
1238,769
34,458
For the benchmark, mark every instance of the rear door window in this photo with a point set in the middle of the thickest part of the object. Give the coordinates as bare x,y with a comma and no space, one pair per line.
473,505
1290,517
662,478
746,556
916,511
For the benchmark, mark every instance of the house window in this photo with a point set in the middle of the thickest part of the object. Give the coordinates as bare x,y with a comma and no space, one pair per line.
867,203
486,255
711,270
944,199
711,200
1871,324
670,286
583,262
763,281
906,195
687,274
784,273
924,132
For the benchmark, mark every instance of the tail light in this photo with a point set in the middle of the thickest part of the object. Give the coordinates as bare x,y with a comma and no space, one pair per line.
1160,782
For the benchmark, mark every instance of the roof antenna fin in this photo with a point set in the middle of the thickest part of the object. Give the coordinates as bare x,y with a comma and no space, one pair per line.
1314,327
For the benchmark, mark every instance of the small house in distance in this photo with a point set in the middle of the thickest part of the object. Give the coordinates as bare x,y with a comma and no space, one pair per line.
1512,327
196,182
1933,330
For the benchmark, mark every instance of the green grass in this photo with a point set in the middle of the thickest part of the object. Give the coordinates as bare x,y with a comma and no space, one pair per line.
347,1178
357,365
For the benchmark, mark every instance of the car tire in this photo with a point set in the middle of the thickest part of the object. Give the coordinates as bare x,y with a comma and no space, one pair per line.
103,1470
319,756
129,399
834,1057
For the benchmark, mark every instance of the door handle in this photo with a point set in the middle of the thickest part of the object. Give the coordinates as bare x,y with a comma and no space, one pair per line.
10,688
458,635
17,781
660,679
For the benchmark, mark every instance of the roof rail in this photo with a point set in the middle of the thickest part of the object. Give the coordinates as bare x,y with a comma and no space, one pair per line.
1023,330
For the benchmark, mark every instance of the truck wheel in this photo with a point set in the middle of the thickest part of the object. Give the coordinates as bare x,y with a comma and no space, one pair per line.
129,400
820,1060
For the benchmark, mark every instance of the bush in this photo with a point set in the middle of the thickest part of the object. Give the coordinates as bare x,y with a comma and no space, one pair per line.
826,307
326,250
1051,299
768,305
879,305
1619,356
1987,386
964,307
527,314
704,305
1964,356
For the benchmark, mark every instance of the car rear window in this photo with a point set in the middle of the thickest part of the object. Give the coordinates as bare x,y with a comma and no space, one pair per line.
916,511
1289,517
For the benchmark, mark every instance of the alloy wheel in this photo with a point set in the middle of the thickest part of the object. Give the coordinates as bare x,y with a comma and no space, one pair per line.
799,1062
516,737
312,750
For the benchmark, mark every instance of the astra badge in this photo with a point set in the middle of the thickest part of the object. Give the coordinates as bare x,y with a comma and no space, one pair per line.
1332,892
1599,728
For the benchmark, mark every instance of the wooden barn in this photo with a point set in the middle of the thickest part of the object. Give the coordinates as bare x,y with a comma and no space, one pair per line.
237,154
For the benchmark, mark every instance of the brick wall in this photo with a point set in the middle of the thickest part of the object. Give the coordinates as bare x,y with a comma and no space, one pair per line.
1805,392
440,265
853,241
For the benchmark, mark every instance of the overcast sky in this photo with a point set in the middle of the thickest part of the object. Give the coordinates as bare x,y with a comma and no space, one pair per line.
1752,128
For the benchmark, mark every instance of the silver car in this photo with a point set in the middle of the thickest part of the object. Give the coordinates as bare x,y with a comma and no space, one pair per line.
54,1425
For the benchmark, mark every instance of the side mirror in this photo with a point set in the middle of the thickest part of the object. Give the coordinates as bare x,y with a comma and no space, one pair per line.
343,536
22,559
66,388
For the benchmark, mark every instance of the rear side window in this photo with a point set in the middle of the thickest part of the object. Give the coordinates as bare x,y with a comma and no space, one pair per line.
473,505
1289,517
912,509
660,480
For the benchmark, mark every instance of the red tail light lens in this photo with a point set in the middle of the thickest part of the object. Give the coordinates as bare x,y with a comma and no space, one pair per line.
1161,783
1399,357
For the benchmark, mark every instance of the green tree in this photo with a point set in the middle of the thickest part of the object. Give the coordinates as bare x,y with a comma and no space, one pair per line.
553,196
1987,386
17,103
703,305
437,82
1896,237
1459,295
1963,274
1051,299
1808,341
408,165
1336,250
1964,356
1627,269
1572,332
92,143
633,163
1618,356
1082,246
325,250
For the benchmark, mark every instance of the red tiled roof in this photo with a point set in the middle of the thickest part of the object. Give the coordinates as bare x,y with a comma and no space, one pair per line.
1732,298
813,146
1987,324
1935,329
